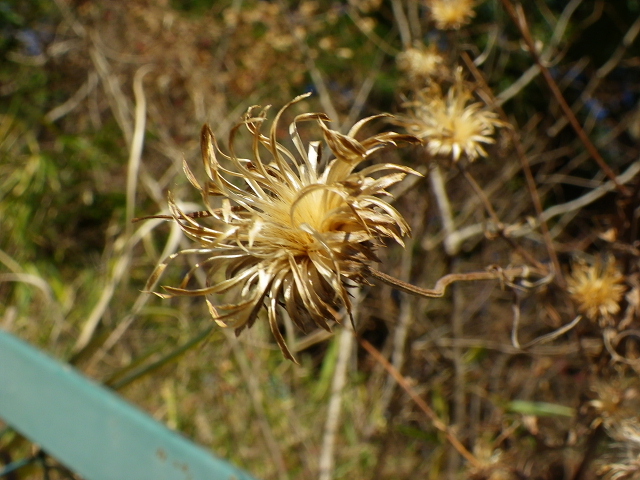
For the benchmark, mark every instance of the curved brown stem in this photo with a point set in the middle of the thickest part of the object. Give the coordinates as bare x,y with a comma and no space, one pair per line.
444,282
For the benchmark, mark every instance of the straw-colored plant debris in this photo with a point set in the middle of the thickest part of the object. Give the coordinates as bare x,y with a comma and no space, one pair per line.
285,229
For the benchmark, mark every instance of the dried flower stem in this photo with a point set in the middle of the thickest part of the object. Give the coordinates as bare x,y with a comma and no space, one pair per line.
405,317
591,196
526,168
452,241
327,455
256,394
601,73
611,338
363,93
371,35
550,51
481,195
137,142
500,227
458,419
437,423
75,100
403,23
444,282
541,339
518,17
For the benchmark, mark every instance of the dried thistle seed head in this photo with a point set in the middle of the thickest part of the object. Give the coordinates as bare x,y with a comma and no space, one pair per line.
286,230
597,289
451,14
451,124
421,63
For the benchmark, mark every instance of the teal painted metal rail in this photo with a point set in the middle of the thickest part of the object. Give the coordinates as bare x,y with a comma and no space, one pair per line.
89,428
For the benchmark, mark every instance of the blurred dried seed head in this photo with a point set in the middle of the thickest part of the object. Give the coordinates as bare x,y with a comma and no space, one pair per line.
597,289
451,14
617,401
421,63
450,125
285,229
493,464
627,468
622,459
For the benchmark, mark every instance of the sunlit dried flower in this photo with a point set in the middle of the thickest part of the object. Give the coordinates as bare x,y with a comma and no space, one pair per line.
449,124
290,232
451,14
420,64
597,289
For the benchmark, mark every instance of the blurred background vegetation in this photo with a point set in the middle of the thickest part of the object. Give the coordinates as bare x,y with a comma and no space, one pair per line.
100,101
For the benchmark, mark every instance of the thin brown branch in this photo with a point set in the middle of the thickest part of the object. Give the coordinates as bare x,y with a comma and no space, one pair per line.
602,72
526,168
435,420
517,15
481,195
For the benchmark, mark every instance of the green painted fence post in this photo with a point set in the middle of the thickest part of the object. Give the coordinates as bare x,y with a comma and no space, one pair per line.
89,428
